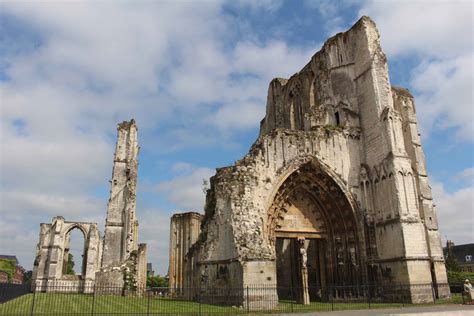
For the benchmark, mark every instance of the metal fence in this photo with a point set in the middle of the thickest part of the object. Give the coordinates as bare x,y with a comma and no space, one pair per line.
110,300
10,291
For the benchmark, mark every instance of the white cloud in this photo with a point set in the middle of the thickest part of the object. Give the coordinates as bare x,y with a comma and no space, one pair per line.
154,230
331,13
22,245
444,90
238,116
455,212
272,59
254,6
185,191
429,28
467,176
181,167
48,205
325,7
440,34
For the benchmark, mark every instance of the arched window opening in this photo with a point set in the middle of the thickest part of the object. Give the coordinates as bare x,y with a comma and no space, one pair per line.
74,253
338,119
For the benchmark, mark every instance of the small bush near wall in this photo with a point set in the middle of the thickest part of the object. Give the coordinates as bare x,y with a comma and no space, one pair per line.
157,281
455,277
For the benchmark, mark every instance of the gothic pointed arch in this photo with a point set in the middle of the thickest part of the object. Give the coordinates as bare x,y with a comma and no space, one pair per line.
311,202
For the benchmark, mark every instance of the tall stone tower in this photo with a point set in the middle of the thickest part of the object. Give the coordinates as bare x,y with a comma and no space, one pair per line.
121,226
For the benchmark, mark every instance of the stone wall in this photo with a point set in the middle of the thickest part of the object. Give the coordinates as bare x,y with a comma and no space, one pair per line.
184,231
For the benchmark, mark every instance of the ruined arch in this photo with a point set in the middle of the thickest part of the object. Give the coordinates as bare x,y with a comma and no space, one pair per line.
311,203
52,249
67,250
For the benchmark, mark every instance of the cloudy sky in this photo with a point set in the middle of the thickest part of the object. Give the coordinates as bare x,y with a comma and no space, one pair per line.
194,75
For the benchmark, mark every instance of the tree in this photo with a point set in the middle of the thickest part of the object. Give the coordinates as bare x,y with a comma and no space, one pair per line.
157,281
70,264
451,261
27,276
9,266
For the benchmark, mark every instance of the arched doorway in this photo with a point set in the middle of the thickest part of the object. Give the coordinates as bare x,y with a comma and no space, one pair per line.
74,255
316,233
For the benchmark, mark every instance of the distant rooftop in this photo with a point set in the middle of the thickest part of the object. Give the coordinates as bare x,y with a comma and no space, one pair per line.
461,251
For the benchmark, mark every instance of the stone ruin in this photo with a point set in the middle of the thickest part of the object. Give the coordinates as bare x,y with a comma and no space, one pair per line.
117,260
184,232
333,192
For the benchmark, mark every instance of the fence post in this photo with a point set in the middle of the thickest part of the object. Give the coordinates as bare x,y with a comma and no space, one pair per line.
148,301
292,299
248,302
33,301
402,295
199,299
368,293
93,300
332,298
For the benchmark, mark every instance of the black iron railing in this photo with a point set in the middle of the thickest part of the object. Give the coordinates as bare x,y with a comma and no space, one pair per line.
64,299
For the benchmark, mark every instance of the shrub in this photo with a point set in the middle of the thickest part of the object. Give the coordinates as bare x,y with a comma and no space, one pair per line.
456,277
156,281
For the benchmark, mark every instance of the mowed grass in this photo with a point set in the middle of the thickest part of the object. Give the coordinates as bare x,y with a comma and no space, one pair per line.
87,304
67,304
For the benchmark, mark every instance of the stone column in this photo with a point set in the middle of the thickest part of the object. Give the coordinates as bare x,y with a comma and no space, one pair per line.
120,237
303,266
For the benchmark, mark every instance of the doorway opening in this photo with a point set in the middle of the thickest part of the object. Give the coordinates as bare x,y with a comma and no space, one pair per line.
289,271
74,254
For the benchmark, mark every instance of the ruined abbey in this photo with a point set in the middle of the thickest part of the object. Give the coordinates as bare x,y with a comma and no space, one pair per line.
117,260
333,192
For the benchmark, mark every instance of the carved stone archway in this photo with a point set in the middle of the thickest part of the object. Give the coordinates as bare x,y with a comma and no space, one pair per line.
310,204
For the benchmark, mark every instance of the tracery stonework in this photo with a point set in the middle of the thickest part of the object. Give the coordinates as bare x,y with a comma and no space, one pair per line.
339,163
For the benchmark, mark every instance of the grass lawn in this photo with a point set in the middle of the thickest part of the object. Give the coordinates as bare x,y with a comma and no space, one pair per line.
86,304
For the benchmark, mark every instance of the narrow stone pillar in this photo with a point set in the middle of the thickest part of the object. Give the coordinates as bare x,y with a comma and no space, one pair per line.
303,260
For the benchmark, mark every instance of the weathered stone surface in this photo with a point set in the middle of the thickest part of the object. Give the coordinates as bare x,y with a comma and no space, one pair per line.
184,231
121,249
117,260
52,254
121,225
141,265
338,160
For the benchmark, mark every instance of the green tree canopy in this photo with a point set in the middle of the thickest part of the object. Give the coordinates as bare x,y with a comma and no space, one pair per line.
451,261
70,265
157,281
9,266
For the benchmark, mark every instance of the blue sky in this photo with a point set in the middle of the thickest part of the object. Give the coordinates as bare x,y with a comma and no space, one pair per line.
195,75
